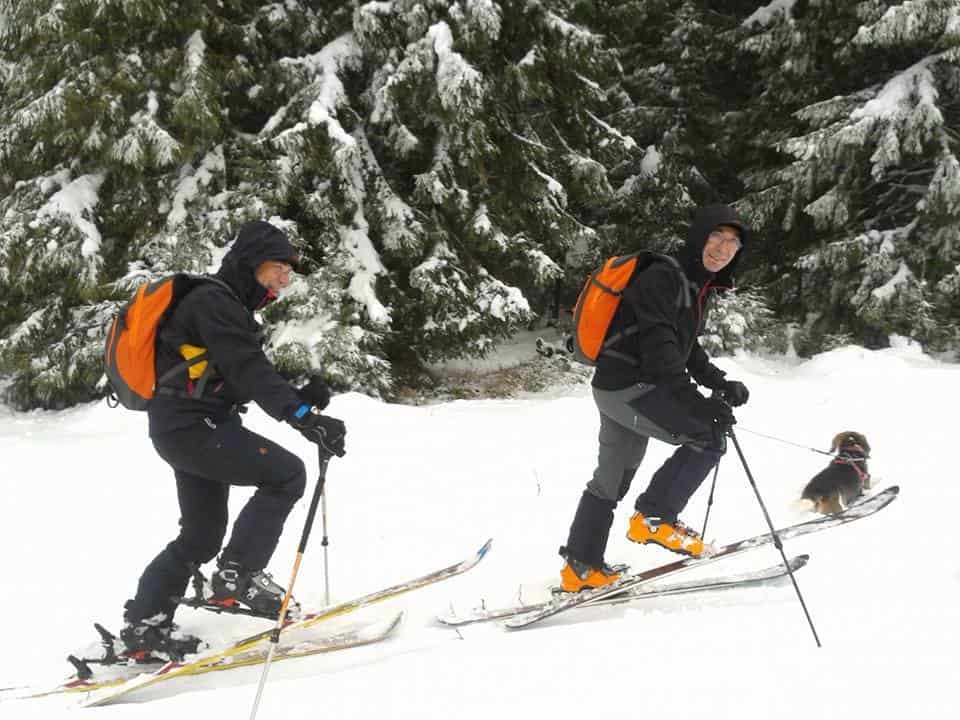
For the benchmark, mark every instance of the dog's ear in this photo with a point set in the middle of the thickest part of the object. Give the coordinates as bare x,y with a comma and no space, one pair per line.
862,439
837,439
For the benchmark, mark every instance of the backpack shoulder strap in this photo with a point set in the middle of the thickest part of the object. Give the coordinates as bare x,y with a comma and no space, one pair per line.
195,280
646,258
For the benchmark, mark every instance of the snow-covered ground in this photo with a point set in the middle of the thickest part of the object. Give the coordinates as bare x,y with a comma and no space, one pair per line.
85,503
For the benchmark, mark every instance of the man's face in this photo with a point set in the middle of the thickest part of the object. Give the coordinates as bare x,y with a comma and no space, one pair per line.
721,246
274,275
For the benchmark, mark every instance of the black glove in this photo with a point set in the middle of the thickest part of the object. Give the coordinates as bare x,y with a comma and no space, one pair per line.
735,392
327,432
315,393
714,410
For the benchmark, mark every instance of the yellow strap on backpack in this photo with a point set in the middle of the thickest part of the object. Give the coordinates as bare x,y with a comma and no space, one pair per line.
189,352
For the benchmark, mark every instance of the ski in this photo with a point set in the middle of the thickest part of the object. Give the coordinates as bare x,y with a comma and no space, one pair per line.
865,507
354,637
173,669
116,674
745,579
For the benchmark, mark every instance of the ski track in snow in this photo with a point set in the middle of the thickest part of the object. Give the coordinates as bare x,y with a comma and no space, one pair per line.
86,503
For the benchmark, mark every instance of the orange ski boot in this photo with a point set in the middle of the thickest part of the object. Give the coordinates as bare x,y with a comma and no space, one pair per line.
577,576
673,536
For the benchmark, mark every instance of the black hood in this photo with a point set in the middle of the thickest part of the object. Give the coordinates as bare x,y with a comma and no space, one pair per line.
691,256
257,242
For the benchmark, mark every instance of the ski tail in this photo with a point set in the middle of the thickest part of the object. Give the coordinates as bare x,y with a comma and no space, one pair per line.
722,582
866,507
172,670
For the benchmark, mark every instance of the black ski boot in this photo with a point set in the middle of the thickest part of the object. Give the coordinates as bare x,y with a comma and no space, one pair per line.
156,638
232,584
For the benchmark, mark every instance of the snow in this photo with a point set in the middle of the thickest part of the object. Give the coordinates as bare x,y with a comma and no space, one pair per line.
195,50
77,199
889,289
768,13
191,182
327,89
86,503
914,87
458,83
554,186
650,164
628,142
529,59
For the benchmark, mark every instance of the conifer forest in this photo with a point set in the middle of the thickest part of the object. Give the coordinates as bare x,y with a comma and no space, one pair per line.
450,170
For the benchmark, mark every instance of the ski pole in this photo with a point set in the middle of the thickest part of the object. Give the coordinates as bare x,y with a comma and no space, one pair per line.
325,542
786,442
776,538
713,485
716,468
275,635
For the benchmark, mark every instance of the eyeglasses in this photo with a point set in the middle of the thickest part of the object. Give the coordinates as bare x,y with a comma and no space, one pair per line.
281,268
726,238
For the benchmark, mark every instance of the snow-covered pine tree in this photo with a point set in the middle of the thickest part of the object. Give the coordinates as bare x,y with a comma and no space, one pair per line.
678,87
437,162
680,93
461,147
867,207
78,124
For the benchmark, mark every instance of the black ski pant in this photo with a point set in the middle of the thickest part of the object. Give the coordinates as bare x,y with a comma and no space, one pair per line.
207,458
628,419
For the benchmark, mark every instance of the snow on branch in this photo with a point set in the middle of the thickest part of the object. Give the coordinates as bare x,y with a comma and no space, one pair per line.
907,108
49,105
628,142
479,18
192,181
325,92
146,134
769,13
554,187
460,86
575,36
911,22
77,201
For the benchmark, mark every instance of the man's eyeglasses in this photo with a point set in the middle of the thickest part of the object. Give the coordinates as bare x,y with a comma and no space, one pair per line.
726,238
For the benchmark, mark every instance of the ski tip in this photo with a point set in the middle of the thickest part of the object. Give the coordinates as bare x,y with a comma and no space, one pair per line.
486,547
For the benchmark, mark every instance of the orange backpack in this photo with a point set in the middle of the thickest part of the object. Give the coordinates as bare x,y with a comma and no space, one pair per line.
598,303
131,342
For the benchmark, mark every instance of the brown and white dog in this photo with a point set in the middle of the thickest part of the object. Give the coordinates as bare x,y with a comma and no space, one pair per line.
844,479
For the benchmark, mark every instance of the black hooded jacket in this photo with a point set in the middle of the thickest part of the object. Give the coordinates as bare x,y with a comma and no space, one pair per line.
221,320
670,309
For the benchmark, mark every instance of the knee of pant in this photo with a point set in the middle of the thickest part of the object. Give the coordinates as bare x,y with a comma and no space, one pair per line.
628,476
296,484
200,548
603,491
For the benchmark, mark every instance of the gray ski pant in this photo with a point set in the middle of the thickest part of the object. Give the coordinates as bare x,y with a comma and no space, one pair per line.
623,439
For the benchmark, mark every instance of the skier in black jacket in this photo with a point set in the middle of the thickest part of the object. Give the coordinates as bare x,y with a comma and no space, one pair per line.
195,427
643,389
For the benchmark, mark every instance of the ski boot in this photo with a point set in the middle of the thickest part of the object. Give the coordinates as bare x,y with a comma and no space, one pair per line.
255,589
576,576
156,638
673,536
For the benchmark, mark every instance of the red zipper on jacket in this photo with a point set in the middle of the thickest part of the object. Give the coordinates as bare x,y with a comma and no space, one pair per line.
700,297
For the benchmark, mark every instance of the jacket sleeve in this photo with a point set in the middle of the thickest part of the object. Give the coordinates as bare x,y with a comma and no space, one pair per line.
653,297
230,334
702,370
